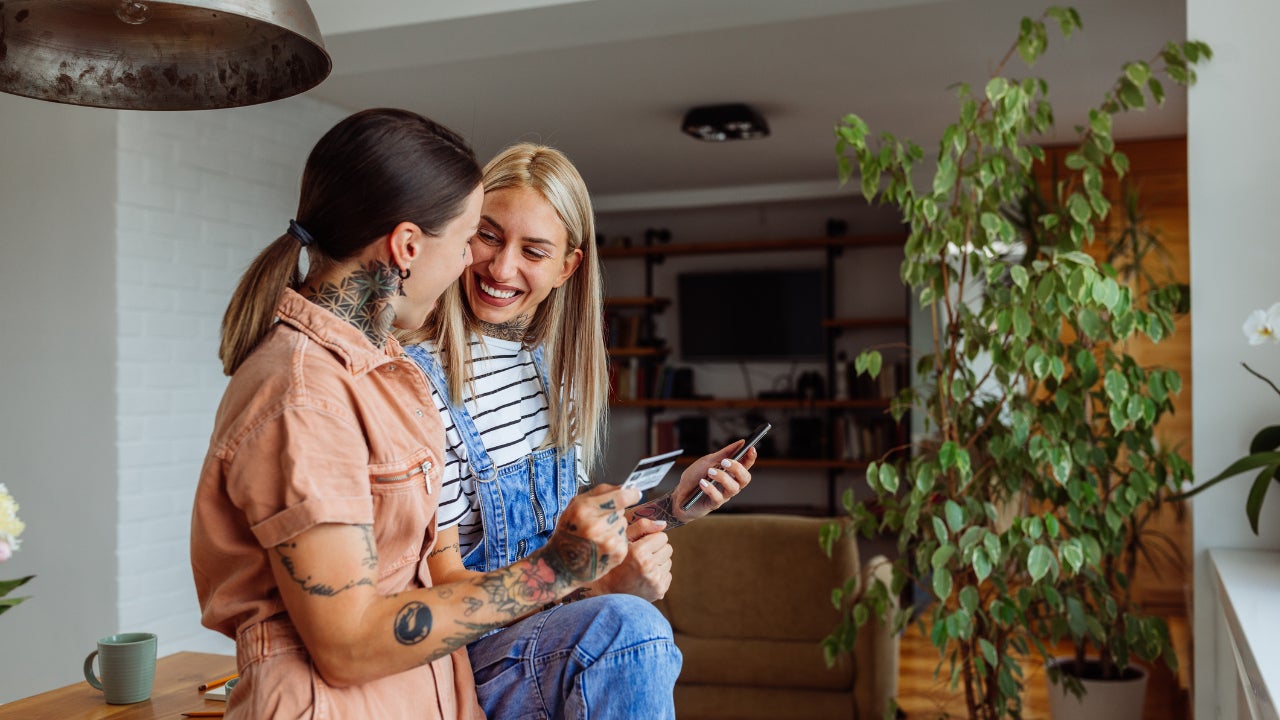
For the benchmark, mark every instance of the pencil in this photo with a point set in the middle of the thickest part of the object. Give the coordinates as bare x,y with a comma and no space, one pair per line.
219,682
203,713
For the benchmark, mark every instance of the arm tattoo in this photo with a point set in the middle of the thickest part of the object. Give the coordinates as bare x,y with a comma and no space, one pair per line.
370,548
439,550
581,593
308,585
361,299
413,623
522,587
660,509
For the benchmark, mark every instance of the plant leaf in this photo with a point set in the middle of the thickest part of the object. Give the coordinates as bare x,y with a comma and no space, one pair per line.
1257,493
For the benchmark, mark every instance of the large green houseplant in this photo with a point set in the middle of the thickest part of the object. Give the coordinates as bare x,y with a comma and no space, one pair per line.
1018,511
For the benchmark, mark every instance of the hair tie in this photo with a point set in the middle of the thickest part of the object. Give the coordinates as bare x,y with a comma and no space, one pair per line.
304,238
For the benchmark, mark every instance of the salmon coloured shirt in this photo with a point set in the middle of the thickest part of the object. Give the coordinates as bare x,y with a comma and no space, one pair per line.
320,426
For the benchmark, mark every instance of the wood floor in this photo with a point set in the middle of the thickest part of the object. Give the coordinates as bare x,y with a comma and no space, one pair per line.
922,697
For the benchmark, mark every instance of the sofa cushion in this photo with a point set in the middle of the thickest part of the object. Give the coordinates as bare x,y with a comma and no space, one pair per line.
732,702
791,664
755,577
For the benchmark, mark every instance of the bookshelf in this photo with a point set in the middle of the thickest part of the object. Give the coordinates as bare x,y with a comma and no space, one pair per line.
850,417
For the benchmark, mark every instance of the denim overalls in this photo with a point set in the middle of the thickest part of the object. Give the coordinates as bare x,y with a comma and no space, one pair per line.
520,502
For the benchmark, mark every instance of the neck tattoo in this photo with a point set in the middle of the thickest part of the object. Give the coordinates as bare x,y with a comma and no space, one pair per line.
360,298
513,330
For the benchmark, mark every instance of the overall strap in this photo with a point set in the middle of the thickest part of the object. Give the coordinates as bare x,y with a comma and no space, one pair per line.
539,362
477,457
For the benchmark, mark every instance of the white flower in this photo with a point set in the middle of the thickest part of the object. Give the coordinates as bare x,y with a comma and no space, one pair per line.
1263,326
10,526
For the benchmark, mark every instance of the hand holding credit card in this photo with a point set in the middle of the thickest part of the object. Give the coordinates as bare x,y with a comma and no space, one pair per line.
650,471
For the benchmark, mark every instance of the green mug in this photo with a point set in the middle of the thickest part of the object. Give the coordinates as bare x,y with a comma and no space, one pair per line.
128,665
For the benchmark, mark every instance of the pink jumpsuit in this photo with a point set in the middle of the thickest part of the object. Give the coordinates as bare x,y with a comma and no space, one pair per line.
319,426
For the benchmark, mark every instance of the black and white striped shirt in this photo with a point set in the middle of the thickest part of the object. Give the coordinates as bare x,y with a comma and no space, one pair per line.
509,410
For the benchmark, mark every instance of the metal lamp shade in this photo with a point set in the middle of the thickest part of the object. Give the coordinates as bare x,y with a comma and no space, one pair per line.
160,55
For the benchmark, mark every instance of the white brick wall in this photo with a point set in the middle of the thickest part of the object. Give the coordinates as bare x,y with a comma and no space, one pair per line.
199,195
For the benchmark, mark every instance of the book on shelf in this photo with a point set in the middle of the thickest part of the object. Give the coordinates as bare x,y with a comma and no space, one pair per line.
892,378
861,438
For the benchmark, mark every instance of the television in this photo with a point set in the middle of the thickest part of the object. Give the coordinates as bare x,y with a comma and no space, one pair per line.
752,315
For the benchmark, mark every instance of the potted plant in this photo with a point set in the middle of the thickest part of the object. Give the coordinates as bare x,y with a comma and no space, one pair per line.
1018,510
1261,327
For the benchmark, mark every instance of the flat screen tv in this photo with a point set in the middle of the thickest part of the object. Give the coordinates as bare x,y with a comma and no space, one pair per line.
752,315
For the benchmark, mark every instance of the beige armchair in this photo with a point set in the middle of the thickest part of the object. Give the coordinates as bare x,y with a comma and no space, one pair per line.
750,602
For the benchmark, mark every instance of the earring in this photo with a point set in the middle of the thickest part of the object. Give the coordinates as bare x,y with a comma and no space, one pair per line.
404,274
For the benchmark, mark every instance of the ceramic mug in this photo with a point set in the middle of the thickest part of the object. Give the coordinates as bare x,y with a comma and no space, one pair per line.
128,665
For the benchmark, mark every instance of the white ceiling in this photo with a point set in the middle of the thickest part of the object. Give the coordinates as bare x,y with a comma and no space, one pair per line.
608,81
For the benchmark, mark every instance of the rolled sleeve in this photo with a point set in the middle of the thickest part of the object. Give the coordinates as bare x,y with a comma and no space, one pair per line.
301,468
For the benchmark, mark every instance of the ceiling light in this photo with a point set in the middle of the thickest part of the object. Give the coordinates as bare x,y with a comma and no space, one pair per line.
717,123
150,55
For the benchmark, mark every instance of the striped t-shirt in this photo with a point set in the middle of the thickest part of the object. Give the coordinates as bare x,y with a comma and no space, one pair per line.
509,409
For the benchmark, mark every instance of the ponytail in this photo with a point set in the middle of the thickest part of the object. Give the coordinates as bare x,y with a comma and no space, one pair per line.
252,310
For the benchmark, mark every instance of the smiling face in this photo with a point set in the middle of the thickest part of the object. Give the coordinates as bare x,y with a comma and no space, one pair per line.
521,253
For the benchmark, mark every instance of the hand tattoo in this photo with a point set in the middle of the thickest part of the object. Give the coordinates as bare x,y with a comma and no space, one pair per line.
308,586
361,299
661,509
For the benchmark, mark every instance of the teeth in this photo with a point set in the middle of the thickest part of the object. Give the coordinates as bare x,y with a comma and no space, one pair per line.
503,294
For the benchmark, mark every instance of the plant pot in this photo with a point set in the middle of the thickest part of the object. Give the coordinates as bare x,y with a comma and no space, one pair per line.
1103,699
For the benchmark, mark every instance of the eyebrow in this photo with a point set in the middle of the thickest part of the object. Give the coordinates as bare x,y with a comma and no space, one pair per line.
498,225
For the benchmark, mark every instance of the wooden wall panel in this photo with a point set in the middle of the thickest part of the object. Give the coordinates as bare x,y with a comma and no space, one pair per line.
1158,169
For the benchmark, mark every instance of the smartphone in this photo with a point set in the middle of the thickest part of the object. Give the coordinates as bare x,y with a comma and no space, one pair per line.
752,439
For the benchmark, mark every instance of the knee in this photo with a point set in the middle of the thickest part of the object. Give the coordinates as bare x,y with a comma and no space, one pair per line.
619,622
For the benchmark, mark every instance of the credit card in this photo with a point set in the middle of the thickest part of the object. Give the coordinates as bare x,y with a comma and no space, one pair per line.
650,471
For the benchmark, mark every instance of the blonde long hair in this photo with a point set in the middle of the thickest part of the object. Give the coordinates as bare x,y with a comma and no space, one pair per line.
568,324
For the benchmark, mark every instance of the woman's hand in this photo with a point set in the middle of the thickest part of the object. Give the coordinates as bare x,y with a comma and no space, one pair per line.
717,476
591,536
646,572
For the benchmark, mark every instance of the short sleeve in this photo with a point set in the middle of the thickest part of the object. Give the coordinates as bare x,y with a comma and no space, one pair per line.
301,468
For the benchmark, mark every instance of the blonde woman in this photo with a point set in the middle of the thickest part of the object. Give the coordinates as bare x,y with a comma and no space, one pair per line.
518,367
316,505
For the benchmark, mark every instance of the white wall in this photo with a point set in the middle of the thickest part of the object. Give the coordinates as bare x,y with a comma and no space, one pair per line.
1233,150
58,357
148,218
200,194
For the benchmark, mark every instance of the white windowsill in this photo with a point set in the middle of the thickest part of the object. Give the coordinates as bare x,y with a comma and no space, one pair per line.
1248,586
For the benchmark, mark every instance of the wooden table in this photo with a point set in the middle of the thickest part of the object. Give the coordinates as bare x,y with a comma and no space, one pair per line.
175,691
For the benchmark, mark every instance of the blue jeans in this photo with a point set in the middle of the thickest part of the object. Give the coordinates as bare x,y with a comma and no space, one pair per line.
609,658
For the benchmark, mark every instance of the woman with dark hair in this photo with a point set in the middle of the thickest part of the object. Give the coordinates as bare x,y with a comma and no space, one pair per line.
316,506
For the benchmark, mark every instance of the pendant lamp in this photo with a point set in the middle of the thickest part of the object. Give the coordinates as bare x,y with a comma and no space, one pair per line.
130,55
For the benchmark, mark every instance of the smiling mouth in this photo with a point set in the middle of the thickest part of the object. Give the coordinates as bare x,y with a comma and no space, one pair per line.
493,292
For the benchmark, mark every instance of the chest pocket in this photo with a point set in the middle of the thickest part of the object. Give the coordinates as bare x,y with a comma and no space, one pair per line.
405,497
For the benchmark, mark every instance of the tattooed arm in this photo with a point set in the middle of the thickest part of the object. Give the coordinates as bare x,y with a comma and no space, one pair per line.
327,579
722,482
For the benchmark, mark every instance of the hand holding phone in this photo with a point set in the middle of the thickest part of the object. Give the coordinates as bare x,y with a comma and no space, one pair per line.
752,439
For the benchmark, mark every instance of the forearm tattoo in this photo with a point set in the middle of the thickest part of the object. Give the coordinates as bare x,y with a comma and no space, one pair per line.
370,548
361,299
413,623
446,548
662,509
307,582
513,330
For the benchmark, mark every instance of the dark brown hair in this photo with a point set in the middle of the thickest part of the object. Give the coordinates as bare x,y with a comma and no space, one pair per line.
370,172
